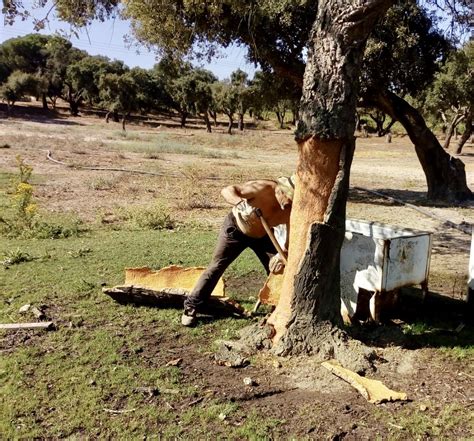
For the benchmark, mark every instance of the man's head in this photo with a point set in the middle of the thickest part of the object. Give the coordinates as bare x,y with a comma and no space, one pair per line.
285,190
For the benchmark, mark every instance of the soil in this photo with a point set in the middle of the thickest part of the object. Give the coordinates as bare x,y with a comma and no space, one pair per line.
307,400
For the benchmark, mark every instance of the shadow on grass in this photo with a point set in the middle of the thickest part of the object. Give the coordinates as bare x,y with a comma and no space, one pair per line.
419,198
436,322
38,115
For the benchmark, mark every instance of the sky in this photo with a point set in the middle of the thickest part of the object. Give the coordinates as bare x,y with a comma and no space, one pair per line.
108,39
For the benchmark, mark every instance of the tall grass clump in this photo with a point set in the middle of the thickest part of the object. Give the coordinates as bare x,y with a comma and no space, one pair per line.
24,220
155,217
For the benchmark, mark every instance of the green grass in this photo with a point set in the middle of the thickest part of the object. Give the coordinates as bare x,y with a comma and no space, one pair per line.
433,422
59,384
443,335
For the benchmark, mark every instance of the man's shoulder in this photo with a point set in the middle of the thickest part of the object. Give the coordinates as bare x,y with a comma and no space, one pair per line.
261,183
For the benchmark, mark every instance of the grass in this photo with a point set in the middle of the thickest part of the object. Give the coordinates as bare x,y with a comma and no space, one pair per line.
86,379
431,422
60,384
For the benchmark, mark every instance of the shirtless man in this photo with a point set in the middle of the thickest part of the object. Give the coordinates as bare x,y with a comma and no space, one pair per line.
243,229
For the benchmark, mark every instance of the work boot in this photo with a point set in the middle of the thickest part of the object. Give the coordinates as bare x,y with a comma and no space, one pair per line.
189,317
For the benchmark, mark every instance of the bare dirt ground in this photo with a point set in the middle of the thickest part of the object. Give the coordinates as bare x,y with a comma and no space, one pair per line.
308,402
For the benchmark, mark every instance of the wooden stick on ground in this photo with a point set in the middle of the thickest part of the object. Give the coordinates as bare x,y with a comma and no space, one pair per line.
36,325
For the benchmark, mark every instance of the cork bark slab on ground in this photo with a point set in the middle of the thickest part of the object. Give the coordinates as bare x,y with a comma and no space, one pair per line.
169,277
373,391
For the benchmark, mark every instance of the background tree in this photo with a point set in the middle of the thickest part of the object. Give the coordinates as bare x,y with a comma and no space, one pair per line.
192,93
226,100
19,85
401,59
83,78
452,93
119,94
168,73
60,54
275,94
27,54
240,83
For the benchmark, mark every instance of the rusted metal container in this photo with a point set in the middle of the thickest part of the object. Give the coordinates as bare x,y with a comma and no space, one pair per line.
380,259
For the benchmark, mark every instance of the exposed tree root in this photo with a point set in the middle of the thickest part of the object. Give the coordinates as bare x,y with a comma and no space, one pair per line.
324,341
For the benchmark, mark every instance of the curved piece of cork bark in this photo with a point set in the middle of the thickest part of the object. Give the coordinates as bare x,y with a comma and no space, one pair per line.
270,293
172,276
318,166
374,391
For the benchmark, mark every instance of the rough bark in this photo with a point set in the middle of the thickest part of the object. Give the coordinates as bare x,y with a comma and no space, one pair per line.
208,123
310,297
44,101
451,129
241,121
184,116
445,175
467,133
231,123
125,116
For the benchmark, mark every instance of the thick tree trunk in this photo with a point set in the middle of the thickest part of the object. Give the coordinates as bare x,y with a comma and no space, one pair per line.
44,100
310,296
451,129
74,107
214,117
467,133
445,175
184,115
208,123
241,121
231,123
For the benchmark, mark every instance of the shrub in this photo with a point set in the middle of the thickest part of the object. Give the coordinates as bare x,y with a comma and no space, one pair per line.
156,217
25,221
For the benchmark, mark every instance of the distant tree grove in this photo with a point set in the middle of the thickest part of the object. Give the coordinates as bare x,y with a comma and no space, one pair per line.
411,73
49,67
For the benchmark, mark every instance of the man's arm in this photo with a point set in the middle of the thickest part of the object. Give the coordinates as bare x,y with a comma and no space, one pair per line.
234,194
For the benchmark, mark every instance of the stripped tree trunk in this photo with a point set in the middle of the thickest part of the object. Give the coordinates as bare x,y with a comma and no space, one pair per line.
310,297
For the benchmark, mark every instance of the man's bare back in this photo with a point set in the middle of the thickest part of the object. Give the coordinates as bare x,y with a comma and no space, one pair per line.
263,194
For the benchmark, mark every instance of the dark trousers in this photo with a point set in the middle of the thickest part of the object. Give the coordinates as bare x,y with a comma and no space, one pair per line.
230,244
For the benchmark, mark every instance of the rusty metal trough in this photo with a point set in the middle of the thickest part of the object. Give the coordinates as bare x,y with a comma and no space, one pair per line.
376,261
379,260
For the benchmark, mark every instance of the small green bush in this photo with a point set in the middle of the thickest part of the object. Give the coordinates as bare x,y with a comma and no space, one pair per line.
155,217
15,257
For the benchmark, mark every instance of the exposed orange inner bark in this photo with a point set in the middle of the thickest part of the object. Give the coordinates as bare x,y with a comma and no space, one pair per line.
318,166
169,277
